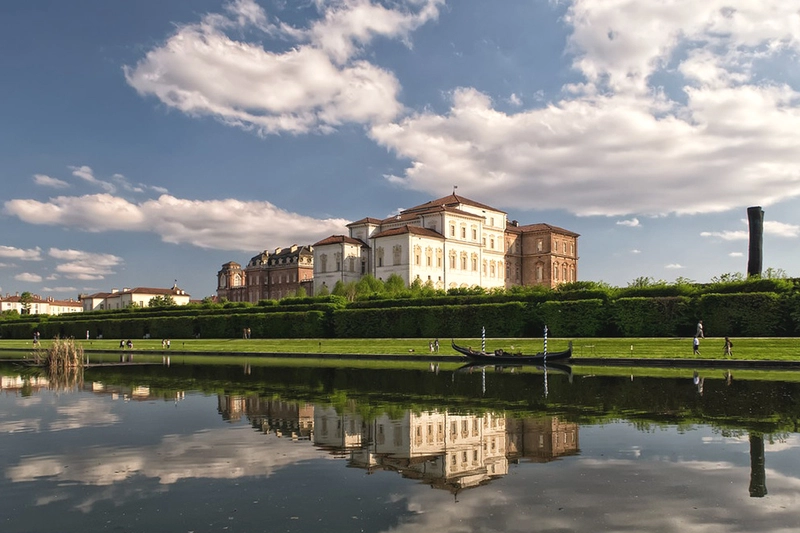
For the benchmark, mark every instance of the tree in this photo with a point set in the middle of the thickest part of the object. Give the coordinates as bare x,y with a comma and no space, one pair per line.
728,277
323,291
395,285
300,292
161,301
774,273
25,300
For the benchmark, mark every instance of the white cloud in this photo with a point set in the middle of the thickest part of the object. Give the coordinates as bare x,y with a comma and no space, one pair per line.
632,223
780,229
739,235
47,181
32,254
736,254
84,265
87,174
515,100
28,277
674,266
59,289
212,224
771,227
314,86
619,143
634,251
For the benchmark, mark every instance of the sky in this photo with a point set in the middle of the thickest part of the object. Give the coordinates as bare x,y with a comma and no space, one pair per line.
144,143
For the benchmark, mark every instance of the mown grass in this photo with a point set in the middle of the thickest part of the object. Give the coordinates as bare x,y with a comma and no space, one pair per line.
751,348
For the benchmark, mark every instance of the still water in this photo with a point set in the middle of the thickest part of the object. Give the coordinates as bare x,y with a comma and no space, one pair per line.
270,447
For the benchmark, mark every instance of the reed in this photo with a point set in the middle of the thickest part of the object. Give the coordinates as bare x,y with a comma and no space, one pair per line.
61,355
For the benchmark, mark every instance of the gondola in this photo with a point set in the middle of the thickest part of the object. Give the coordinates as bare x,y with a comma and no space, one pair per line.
502,357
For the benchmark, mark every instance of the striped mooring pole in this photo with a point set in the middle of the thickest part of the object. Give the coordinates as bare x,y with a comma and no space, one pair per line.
545,339
483,339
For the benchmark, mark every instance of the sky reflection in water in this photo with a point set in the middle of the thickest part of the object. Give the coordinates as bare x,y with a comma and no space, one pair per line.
130,458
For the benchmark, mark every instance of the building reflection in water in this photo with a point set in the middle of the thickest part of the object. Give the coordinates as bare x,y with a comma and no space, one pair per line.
446,450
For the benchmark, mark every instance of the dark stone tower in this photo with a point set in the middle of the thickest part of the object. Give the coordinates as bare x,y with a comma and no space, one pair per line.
755,219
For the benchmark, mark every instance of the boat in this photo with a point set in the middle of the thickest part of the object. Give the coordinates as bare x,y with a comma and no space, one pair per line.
502,357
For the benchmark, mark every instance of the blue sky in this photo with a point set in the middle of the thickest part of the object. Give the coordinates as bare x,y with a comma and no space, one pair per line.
144,142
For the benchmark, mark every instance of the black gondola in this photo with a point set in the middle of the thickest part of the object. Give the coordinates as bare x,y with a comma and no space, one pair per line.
502,357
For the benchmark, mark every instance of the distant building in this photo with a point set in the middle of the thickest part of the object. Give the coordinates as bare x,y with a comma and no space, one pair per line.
139,297
451,242
270,275
40,306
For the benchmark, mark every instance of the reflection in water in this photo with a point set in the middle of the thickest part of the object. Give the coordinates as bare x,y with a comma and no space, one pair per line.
601,453
447,450
758,476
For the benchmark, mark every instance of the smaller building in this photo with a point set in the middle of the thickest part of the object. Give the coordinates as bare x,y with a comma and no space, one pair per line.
137,297
39,306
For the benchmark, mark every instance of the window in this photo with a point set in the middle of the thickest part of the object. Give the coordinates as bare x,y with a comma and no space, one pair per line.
491,245
463,233
555,271
417,255
397,251
452,230
474,234
474,263
453,260
539,245
463,262
491,221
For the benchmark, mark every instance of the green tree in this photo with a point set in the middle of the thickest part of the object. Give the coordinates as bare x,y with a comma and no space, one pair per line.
395,285
300,292
728,277
25,300
774,273
161,301
323,291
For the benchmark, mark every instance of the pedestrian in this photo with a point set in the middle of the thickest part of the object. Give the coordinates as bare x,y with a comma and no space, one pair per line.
430,346
699,332
121,343
87,334
130,344
696,345
728,347
436,345
169,343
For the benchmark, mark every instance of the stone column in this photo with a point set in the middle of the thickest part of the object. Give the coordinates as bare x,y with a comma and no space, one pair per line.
755,218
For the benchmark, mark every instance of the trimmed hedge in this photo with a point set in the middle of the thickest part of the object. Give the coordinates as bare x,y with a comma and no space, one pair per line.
577,312
652,317
743,315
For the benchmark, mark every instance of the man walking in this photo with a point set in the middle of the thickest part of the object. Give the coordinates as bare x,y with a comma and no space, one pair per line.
696,345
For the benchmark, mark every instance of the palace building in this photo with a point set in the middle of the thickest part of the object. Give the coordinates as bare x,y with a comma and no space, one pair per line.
270,275
451,242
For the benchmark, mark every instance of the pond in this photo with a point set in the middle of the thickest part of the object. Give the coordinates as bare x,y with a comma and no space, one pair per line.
276,446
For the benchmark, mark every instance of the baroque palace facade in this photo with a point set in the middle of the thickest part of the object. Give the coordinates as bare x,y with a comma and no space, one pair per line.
450,242
270,275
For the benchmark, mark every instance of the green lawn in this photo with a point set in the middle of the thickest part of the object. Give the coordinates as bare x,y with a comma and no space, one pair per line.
769,348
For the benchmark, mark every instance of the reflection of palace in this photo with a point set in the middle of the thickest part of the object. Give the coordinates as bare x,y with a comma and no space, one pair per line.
270,416
446,450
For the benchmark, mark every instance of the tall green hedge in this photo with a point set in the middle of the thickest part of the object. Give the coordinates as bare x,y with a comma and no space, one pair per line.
579,312
754,314
652,317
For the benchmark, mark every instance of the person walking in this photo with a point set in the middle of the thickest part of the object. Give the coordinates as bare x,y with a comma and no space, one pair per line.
728,347
696,345
699,332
